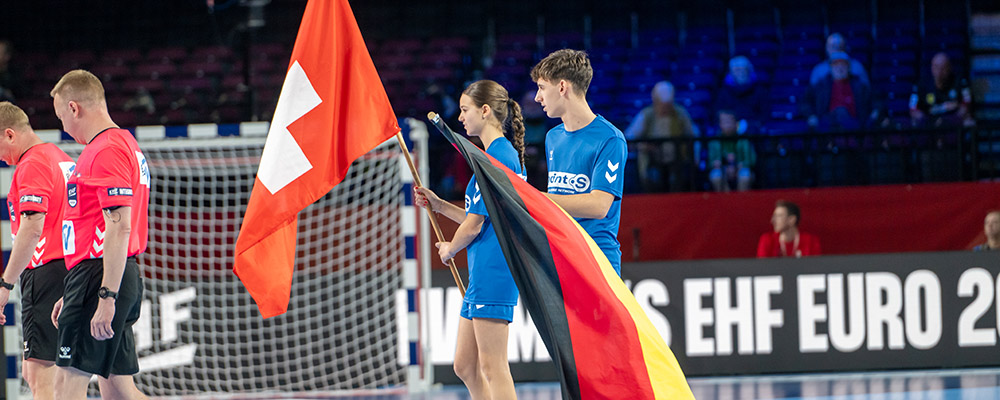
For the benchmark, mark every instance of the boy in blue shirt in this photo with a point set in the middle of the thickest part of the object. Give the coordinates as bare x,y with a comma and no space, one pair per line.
585,154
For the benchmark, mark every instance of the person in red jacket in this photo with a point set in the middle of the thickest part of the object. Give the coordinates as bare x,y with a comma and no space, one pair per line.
787,240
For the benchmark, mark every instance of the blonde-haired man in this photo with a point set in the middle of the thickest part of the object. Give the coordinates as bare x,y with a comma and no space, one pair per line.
36,203
105,227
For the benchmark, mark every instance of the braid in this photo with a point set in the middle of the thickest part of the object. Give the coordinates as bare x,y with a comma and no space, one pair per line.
517,127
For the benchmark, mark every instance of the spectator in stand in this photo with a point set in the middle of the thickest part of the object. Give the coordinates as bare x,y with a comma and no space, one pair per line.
10,79
787,240
142,101
663,119
946,102
991,227
840,101
835,43
742,93
732,161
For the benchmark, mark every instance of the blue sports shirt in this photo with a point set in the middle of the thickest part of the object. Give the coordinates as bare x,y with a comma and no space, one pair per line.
591,158
490,281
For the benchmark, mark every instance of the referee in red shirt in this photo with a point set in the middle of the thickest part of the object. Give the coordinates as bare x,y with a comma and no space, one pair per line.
36,203
105,227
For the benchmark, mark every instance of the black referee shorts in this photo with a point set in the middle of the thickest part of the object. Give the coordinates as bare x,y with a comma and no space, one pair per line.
41,288
77,347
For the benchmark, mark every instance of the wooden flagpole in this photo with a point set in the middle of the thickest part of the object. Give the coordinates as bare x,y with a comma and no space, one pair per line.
430,213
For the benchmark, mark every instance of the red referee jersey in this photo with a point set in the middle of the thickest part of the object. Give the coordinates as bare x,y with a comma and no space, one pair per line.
40,185
770,245
111,172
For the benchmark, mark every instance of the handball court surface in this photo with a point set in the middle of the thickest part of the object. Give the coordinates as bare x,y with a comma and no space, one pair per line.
945,384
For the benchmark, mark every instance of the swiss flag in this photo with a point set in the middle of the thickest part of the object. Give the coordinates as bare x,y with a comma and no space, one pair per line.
332,110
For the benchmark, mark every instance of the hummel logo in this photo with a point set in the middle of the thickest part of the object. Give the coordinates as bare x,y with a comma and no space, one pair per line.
475,199
98,245
36,257
64,353
610,178
613,167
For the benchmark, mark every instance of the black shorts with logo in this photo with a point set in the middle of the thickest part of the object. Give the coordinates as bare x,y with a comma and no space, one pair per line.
77,347
41,288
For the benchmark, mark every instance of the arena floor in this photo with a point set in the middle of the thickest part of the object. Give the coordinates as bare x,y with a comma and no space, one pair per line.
964,384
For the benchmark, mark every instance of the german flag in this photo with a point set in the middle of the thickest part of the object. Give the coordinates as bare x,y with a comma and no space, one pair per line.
599,338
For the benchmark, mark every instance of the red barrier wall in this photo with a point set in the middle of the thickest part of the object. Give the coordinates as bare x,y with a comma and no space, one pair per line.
848,220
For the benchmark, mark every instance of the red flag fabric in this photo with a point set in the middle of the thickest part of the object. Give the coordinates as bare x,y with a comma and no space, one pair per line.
332,109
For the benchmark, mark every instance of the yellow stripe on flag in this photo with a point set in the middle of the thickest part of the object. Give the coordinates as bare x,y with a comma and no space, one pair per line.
665,375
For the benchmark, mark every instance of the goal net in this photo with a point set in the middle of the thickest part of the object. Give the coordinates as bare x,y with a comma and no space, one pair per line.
200,331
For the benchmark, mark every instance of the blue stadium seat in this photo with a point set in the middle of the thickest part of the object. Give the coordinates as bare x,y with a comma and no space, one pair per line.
901,74
570,40
694,81
652,53
756,48
694,97
786,127
894,43
804,62
611,39
658,38
787,112
608,54
633,100
808,46
804,32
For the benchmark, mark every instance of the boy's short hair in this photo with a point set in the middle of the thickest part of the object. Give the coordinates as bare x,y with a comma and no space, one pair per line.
792,208
570,65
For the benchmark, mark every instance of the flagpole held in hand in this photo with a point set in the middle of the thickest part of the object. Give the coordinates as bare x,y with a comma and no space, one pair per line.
430,213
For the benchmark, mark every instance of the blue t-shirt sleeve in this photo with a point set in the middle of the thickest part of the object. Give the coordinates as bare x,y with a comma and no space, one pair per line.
609,171
511,160
474,199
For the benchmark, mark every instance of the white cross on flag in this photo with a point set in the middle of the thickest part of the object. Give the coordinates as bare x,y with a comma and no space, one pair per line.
332,109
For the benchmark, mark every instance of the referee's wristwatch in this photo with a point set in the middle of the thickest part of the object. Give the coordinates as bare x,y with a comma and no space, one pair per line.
5,285
104,293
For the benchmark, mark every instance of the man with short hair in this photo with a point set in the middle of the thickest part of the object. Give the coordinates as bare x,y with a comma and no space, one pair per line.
105,227
36,203
840,100
835,43
991,227
586,153
944,102
663,165
786,240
